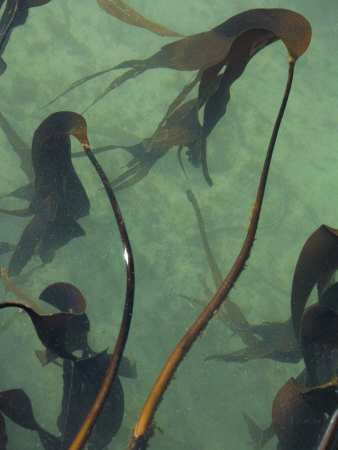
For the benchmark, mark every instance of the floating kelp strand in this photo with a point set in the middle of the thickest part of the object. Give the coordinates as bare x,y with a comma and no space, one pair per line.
123,12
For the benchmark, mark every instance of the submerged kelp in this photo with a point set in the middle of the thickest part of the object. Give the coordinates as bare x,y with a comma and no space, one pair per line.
231,44
59,198
66,334
91,383
13,14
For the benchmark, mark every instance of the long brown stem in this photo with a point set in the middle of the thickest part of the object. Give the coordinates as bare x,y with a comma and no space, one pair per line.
83,433
142,431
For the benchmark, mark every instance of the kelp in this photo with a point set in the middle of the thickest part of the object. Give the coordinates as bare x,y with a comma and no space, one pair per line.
82,379
261,436
319,338
64,332
231,44
16,405
317,262
123,12
273,340
15,13
59,198
296,44
61,332
178,127
300,414
232,314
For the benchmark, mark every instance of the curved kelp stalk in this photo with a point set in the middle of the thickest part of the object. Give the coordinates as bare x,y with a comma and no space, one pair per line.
234,317
231,44
78,127
145,426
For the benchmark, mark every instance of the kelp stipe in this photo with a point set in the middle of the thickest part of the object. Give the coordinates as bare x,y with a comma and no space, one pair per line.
80,127
144,428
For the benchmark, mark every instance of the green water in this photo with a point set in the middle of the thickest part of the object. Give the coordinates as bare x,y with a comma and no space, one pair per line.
66,40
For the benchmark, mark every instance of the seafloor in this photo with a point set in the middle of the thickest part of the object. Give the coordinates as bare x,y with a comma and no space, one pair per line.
66,40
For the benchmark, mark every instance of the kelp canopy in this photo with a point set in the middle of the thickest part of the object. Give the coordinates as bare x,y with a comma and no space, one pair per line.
169,254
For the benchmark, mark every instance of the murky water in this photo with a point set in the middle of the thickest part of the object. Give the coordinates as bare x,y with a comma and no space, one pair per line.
66,40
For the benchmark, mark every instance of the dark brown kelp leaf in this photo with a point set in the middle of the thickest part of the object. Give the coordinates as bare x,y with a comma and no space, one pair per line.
62,332
30,238
59,198
299,415
123,12
16,405
82,381
53,168
127,368
251,31
317,261
319,338
330,297
65,297
261,436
